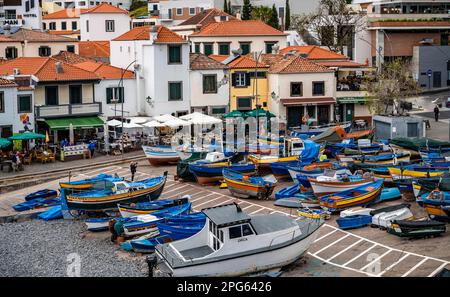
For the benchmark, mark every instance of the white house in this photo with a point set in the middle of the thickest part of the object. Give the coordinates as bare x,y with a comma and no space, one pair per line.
21,13
124,4
209,84
299,87
16,106
63,22
173,12
161,57
220,38
103,22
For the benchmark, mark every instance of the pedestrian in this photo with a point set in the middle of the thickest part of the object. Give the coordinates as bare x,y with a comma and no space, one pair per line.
91,148
14,162
133,167
436,113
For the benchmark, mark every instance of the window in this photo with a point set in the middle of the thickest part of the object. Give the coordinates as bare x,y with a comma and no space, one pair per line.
318,88
208,49
75,96
259,74
210,84
179,11
11,52
52,26
82,3
244,104
74,25
109,25
192,10
10,14
296,89
281,12
27,6
412,130
24,103
51,95
235,232
174,54
245,46
197,48
218,110
240,79
2,102
44,26
71,48
175,91
45,51
63,25
114,93
269,46
246,230
224,49
87,25
32,3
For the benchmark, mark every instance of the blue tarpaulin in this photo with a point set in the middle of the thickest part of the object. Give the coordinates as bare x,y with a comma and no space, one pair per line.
51,214
310,152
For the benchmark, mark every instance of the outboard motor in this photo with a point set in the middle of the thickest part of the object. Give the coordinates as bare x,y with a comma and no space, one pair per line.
151,262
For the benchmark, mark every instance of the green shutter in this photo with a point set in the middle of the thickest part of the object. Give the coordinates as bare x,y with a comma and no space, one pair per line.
174,54
175,91
109,95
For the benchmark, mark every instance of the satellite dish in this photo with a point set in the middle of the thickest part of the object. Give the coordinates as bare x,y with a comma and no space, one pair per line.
237,52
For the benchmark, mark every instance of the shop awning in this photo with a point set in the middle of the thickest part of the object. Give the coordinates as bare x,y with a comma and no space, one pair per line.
78,123
308,101
344,100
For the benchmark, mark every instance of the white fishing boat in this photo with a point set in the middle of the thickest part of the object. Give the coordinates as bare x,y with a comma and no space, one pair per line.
364,211
383,217
233,243
324,185
141,224
160,155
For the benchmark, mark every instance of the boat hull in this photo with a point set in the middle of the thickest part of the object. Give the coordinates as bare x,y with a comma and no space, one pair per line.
244,190
208,174
322,188
161,155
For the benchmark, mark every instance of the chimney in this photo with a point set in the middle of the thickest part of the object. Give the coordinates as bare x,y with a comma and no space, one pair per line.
153,34
238,15
16,71
58,67
275,49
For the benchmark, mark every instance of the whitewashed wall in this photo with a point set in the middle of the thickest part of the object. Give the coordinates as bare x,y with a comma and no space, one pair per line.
97,27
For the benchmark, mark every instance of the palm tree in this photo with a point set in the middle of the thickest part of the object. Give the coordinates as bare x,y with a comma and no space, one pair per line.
262,13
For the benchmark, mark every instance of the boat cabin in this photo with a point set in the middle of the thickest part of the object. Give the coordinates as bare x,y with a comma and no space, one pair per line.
121,187
214,157
293,146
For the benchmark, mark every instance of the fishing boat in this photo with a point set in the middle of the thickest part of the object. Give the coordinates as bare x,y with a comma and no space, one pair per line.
177,232
383,217
233,243
316,130
146,245
418,172
262,161
358,196
160,155
388,194
389,158
280,169
211,172
313,213
365,211
133,209
46,194
245,186
437,204
324,185
100,181
98,224
354,221
37,203
121,192
406,228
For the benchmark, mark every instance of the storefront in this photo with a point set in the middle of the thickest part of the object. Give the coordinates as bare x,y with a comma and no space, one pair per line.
320,110
350,109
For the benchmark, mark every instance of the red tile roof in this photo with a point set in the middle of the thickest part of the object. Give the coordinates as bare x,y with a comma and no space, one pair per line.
64,32
206,17
340,64
37,36
104,71
4,83
105,8
165,35
240,62
238,28
69,57
296,64
91,49
44,69
69,13
202,62
314,52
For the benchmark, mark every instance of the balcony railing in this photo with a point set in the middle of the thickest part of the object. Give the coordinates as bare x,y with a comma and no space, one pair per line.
53,111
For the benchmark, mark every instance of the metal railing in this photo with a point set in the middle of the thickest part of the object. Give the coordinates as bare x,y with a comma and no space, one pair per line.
48,111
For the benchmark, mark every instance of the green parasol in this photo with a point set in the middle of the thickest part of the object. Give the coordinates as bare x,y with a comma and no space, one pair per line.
234,114
260,113
26,136
4,142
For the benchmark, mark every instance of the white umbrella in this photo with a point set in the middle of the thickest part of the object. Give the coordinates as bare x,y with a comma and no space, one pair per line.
131,125
153,124
164,118
191,115
202,119
176,123
71,136
114,123
139,120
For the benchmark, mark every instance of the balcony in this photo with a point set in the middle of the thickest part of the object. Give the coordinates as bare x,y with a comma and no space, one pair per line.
54,111
410,23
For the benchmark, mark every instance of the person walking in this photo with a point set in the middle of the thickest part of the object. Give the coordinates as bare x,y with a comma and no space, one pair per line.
436,113
91,148
133,167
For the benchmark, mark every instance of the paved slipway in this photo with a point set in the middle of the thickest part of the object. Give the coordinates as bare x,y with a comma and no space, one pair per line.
362,252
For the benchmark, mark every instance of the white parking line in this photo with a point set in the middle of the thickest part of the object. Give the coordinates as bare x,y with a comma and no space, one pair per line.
415,267
359,255
203,197
377,259
207,201
256,211
393,264
438,269
331,244
344,250
177,188
224,202
322,237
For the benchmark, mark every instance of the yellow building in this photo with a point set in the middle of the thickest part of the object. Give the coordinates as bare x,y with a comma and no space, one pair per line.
243,85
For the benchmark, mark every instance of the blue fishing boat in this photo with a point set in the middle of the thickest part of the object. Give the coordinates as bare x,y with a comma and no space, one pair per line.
280,169
121,192
46,194
177,232
134,209
390,158
36,203
355,221
437,204
53,213
245,186
388,194
101,181
161,154
207,172
145,245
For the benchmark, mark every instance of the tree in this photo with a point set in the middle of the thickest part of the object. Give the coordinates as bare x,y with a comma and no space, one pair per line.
135,4
273,20
246,10
229,7
225,6
393,83
333,24
287,18
262,13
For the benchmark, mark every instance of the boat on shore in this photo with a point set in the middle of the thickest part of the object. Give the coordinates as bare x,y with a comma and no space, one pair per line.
233,243
324,185
406,228
437,204
263,161
133,209
102,181
383,217
45,194
316,130
244,186
161,155
121,192
389,158
353,221
208,173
